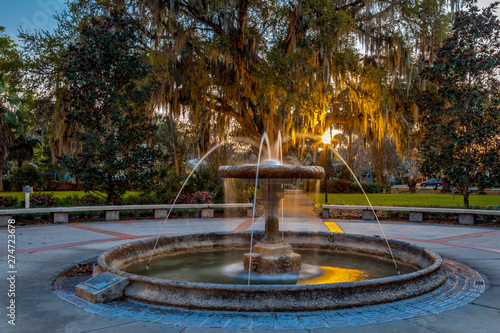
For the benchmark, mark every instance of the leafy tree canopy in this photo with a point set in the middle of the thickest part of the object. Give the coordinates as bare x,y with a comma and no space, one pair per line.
294,66
461,106
10,98
105,73
10,60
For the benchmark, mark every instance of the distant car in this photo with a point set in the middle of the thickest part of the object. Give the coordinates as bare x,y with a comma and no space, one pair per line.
431,182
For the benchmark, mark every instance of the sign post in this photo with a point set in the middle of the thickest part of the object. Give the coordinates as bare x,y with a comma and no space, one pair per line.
27,190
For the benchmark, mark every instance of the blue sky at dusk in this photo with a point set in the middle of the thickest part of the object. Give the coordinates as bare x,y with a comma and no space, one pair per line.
29,14
37,14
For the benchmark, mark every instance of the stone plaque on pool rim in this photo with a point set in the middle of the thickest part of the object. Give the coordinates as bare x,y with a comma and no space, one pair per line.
101,281
102,288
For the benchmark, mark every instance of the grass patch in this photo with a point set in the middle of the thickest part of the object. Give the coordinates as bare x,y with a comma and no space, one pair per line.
408,200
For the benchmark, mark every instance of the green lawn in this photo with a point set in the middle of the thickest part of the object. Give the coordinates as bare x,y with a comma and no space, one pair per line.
406,199
57,194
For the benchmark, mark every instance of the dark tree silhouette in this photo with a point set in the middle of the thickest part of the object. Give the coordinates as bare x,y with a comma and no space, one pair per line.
461,107
106,74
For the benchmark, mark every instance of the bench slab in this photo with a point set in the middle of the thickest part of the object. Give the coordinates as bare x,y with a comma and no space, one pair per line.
416,217
112,215
59,217
467,219
4,220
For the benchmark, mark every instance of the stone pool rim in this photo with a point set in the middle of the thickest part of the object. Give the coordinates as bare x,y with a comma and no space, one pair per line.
207,296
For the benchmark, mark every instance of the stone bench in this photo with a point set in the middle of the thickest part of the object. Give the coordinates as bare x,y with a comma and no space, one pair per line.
465,216
112,213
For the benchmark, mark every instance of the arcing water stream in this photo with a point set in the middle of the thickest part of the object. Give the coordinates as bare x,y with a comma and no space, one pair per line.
279,152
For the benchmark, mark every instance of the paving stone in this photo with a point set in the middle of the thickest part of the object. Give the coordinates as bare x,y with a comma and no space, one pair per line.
312,322
240,322
216,321
288,322
264,322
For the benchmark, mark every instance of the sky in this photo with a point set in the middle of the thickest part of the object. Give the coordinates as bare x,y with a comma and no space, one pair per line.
37,14
29,14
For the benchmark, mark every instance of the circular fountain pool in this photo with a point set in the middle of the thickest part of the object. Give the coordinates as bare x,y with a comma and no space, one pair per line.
225,267
360,286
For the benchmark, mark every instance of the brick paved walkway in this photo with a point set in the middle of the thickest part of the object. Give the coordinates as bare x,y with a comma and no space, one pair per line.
463,286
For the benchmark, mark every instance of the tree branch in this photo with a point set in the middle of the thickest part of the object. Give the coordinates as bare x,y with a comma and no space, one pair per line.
330,120
373,16
194,13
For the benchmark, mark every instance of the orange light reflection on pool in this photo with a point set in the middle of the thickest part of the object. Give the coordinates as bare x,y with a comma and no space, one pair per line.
336,275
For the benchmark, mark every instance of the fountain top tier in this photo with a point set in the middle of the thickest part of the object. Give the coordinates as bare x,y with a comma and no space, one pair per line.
272,170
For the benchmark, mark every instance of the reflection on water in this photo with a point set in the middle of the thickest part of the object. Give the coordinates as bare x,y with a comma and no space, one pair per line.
226,267
336,275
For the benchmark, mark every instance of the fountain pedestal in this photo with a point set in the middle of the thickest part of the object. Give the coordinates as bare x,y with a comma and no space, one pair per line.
271,263
272,255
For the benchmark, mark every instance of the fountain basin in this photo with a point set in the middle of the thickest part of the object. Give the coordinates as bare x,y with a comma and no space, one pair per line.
429,274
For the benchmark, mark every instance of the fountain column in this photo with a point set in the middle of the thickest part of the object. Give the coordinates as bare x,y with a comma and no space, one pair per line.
271,255
271,195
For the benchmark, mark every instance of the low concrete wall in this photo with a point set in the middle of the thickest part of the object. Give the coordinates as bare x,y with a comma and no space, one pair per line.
429,275
60,214
466,216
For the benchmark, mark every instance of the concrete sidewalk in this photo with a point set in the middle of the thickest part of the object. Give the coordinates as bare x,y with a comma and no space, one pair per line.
44,251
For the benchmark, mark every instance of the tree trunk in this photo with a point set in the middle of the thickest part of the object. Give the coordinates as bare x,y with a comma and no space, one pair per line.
349,145
446,187
466,194
205,138
1,171
174,143
377,163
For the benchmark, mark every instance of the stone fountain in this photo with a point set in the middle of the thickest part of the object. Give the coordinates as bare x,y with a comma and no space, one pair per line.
272,255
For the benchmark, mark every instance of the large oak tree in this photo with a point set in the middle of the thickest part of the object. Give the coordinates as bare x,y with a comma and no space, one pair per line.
294,66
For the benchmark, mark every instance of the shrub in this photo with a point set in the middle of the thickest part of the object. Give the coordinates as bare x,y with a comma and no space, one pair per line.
162,197
182,199
202,197
206,179
63,185
85,200
92,200
340,172
6,202
43,200
27,175
370,187
70,200
8,184
141,199
339,186
412,184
